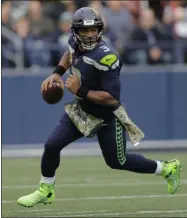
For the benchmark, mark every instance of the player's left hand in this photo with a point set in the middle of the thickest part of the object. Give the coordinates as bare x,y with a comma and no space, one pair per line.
73,83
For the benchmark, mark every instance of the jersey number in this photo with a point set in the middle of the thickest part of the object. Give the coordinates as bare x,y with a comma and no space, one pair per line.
105,48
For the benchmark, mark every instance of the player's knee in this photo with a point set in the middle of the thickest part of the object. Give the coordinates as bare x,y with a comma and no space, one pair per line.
52,147
114,164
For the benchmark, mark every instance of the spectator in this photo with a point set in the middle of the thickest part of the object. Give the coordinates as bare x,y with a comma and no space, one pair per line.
22,28
171,5
62,35
180,29
108,34
64,26
98,6
18,8
168,24
7,45
53,9
119,21
133,7
43,28
6,10
180,22
70,6
177,11
149,33
41,31
40,25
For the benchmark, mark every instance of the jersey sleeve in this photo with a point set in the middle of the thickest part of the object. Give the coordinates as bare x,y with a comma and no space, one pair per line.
110,76
103,59
111,61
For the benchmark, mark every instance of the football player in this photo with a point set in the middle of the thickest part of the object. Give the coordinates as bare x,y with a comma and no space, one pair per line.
95,80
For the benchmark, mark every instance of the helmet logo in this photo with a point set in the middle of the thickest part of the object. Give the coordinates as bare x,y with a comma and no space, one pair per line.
88,22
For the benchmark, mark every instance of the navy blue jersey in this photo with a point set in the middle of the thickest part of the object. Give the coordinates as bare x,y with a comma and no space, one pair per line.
99,70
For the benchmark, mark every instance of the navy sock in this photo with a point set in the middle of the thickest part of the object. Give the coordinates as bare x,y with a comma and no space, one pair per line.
139,164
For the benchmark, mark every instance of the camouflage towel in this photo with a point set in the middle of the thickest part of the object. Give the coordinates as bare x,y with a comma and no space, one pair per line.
87,124
135,134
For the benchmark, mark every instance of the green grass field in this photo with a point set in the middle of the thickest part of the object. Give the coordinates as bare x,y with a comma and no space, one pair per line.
86,187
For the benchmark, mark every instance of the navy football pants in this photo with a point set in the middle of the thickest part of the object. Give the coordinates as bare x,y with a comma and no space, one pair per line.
112,141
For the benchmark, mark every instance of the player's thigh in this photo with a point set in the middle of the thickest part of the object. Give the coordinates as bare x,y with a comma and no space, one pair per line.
112,140
63,134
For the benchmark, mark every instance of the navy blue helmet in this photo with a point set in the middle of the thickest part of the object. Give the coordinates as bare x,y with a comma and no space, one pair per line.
87,17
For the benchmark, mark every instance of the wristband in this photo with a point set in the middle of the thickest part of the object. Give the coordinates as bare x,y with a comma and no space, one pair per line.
60,70
82,92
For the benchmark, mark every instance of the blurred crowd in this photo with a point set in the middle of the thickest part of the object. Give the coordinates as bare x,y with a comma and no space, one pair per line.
43,28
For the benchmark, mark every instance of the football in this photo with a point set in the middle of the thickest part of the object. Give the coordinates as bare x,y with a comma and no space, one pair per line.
53,94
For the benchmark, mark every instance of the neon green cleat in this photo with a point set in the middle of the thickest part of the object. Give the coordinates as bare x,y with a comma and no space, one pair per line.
171,172
45,195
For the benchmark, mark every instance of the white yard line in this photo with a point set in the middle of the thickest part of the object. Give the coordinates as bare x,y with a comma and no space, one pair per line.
127,213
93,213
53,211
111,197
25,210
87,213
141,183
162,211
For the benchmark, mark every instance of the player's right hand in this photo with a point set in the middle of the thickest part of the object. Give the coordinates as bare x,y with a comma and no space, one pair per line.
48,82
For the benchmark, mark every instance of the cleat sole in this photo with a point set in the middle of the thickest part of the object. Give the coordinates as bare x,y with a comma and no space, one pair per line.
25,206
45,203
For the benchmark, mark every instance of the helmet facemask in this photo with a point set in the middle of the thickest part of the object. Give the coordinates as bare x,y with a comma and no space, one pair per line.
87,42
